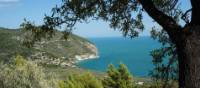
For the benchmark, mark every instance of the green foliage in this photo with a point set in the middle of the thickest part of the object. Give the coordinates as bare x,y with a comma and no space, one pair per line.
11,44
84,80
19,61
125,15
62,84
165,59
33,33
118,78
72,11
24,74
162,84
117,12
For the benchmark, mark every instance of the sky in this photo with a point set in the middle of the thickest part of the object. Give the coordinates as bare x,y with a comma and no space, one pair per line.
13,12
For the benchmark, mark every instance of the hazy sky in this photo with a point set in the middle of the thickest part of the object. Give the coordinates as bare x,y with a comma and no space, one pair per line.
14,11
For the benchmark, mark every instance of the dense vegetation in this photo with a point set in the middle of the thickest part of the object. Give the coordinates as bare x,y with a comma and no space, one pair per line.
21,73
55,48
24,74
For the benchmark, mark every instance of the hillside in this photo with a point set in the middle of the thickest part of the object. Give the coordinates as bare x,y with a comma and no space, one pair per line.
56,51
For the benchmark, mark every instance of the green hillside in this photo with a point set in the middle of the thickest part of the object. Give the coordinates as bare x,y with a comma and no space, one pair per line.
53,51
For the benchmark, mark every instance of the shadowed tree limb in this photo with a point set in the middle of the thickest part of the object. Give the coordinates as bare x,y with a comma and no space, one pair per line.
167,22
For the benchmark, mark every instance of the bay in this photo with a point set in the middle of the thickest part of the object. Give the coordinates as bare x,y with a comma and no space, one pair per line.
134,53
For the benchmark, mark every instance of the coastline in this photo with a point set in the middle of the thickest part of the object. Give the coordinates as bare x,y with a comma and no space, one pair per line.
85,57
44,58
78,58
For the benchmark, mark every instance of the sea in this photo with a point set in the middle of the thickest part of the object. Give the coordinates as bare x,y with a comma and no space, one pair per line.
134,53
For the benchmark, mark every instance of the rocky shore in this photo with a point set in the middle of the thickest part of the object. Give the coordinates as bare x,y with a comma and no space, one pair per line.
77,58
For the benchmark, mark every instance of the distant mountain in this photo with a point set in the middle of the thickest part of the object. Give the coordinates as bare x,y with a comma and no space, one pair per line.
55,51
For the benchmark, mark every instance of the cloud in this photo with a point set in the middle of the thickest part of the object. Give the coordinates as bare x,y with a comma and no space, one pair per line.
7,3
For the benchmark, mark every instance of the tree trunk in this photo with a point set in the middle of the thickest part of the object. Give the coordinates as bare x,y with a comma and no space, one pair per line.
195,12
188,49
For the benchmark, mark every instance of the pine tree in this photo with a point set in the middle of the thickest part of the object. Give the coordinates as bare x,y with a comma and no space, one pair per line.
118,78
85,80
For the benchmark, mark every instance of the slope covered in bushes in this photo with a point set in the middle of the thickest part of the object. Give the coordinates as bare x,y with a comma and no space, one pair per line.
53,51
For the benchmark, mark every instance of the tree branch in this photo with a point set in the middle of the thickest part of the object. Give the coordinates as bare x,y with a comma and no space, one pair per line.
185,16
167,22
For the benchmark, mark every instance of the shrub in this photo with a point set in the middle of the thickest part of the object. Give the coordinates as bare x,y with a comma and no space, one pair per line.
85,80
23,74
163,84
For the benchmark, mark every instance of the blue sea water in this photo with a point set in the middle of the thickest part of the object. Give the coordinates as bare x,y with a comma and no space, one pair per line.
135,53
